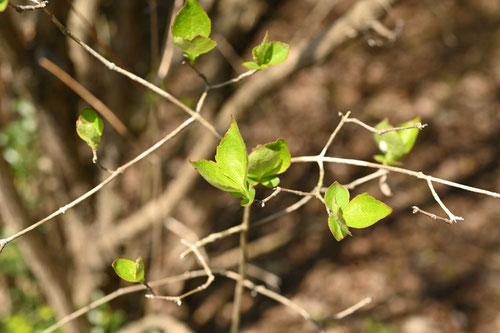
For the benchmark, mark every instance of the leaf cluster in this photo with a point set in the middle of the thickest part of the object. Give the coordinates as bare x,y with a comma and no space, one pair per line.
268,53
361,212
235,172
191,29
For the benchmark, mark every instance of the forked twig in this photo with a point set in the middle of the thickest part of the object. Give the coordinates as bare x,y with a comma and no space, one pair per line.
416,210
208,282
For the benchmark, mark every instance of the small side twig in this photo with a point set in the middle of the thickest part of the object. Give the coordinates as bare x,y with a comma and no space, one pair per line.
38,5
208,282
416,210
452,218
367,178
419,126
95,160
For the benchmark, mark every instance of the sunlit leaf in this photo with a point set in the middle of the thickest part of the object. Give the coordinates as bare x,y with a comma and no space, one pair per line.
191,21
364,210
89,127
129,270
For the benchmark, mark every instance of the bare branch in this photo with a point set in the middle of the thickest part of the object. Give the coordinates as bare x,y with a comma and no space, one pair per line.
412,173
39,4
206,269
416,210
419,126
453,218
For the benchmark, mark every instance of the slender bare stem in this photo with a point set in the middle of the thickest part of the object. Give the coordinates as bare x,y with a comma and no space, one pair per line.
238,290
412,173
416,210
236,79
419,126
452,218
208,282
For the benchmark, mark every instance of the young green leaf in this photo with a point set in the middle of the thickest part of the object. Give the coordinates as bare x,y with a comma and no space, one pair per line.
232,156
194,48
129,270
229,171
336,197
214,175
191,21
265,162
338,226
268,53
395,144
191,29
259,52
389,143
89,127
3,5
364,210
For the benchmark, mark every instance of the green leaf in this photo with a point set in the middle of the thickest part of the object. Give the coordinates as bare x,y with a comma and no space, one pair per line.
129,270
338,226
409,136
389,143
336,197
265,162
276,53
195,47
229,172
3,5
191,21
267,54
89,127
259,52
253,65
280,146
232,156
364,210
214,175
271,181
262,161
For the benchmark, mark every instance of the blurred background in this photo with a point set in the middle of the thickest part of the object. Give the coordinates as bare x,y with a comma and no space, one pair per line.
423,275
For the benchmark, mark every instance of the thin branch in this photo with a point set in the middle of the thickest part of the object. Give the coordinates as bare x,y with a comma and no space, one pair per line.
238,290
416,210
236,79
97,188
419,126
452,218
113,67
95,160
208,282
86,95
412,173
38,5
350,310
367,178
